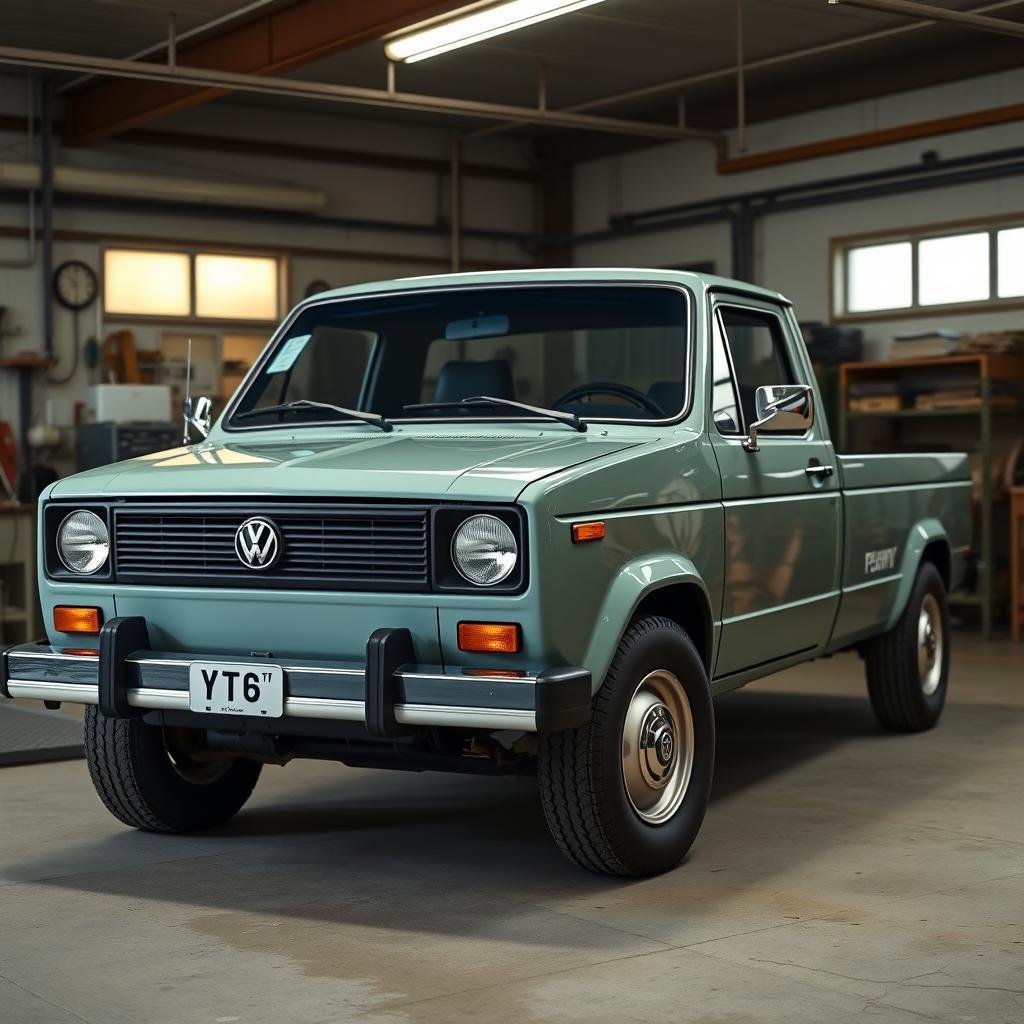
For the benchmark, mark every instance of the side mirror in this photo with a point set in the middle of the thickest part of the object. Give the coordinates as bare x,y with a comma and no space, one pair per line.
198,413
788,407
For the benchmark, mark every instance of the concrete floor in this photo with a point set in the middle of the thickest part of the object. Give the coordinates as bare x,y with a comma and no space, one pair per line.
841,874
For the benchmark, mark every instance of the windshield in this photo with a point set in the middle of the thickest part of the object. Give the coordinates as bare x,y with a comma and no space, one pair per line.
601,352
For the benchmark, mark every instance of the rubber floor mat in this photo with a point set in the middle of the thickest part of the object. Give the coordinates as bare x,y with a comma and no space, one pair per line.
28,736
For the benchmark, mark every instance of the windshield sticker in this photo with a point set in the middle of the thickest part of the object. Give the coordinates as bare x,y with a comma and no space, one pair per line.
290,351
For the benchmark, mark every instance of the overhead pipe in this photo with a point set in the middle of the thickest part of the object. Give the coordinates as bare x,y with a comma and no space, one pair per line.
30,249
743,210
455,205
524,239
46,197
839,181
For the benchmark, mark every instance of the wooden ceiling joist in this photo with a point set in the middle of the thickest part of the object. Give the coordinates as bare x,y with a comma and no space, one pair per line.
270,44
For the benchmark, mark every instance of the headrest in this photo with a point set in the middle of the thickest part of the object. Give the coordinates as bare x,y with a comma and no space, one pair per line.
465,378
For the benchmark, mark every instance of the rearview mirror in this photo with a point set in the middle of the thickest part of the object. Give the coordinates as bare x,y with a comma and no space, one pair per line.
198,413
784,407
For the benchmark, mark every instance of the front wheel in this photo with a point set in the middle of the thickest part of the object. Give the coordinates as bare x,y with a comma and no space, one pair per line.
908,667
160,779
626,793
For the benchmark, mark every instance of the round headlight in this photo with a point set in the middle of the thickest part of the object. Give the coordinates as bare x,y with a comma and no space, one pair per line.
484,550
83,542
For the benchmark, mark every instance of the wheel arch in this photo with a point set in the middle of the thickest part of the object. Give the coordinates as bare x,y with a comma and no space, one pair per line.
667,585
926,542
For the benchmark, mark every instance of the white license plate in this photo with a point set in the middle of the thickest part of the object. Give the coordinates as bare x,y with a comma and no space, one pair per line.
222,688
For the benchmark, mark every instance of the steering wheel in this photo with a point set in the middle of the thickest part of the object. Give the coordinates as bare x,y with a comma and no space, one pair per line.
632,395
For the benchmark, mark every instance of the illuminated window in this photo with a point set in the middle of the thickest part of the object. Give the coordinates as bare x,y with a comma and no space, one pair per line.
879,277
953,269
236,287
207,286
1010,263
928,269
147,283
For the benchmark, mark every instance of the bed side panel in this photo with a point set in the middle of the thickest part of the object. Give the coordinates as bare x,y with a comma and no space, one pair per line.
899,507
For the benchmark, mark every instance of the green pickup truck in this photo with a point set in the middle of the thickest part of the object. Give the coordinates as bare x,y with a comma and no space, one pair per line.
521,522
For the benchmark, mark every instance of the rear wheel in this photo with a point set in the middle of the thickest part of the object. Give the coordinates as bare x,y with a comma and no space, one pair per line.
161,779
626,793
908,667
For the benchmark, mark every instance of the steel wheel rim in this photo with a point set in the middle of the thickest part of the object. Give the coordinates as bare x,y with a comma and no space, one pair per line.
657,747
930,644
198,770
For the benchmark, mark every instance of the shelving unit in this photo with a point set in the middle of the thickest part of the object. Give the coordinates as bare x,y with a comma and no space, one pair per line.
981,369
19,605
25,365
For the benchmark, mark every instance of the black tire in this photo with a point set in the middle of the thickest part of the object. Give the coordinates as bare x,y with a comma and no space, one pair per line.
139,784
904,695
582,777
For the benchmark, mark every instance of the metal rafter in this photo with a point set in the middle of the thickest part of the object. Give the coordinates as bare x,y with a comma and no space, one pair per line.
913,9
357,95
718,74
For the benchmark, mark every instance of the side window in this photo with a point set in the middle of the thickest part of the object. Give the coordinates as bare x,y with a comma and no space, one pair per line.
757,346
725,409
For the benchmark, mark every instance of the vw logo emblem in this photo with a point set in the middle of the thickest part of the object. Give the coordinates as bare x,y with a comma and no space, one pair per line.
258,543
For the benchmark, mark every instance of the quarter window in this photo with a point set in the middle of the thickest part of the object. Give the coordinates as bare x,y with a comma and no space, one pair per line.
725,410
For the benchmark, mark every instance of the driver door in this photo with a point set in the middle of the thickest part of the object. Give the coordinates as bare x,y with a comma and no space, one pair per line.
782,503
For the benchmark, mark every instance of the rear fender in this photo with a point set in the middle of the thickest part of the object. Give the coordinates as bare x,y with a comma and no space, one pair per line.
921,534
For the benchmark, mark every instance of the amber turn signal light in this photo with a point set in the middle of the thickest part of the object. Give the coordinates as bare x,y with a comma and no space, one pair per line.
587,531
77,620
495,637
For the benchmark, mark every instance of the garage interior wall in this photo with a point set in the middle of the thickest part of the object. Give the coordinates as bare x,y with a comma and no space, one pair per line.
412,197
792,248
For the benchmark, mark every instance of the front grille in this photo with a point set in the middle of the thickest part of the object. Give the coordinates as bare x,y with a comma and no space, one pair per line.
347,548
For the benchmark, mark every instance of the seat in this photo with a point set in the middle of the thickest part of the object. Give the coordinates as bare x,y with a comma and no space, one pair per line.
466,378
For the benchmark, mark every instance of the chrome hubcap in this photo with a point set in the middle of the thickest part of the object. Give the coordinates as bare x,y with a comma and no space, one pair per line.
657,747
929,645
193,763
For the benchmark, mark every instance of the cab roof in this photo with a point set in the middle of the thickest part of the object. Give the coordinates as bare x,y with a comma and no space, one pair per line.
565,275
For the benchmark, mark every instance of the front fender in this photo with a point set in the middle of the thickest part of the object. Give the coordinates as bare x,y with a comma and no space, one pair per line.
634,581
921,534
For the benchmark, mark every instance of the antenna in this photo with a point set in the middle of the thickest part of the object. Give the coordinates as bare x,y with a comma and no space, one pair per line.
186,406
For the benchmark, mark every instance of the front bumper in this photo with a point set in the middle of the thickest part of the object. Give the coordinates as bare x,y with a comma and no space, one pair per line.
389,693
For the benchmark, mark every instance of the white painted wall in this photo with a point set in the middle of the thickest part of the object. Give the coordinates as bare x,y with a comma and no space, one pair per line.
363,192
792,249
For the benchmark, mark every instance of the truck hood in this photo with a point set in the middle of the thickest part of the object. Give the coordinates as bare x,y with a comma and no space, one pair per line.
398,465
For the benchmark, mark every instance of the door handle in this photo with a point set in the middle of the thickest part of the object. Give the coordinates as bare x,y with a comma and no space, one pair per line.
819,470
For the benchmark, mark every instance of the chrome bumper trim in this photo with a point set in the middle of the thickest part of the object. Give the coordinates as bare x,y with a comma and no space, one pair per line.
294,707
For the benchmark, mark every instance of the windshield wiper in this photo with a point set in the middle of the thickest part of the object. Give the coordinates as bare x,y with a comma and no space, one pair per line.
304,403
570,419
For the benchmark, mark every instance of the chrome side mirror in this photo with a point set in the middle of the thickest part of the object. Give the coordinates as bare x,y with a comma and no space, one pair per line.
198,413
787,407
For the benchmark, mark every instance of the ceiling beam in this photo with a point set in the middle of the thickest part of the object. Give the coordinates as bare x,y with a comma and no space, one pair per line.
968,58
269,85
269,44
297,151
914,9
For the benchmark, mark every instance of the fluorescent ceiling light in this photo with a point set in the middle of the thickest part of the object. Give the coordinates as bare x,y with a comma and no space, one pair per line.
476,26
